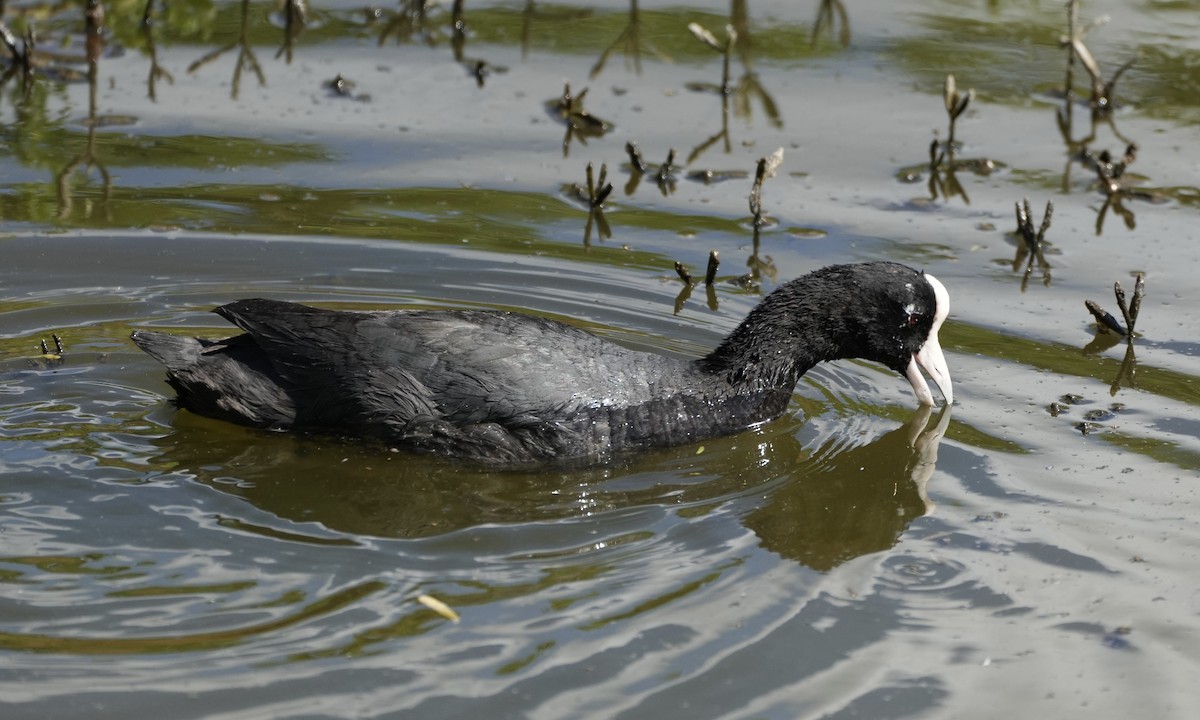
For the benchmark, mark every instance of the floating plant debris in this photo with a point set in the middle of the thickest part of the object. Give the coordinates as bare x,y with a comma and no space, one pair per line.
438,607
57,354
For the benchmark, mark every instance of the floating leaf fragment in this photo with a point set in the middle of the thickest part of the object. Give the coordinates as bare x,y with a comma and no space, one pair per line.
438,607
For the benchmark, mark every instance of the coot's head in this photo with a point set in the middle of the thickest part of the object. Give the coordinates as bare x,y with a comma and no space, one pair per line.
906,309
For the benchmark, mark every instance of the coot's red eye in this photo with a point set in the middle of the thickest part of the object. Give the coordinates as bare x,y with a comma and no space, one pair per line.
913,319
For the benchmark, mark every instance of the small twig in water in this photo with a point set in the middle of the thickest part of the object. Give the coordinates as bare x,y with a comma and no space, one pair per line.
1032,246
765,168
58,348
726,49
408,21
245,59
597,190
935,157
295,18
1123,307
156,70
682,272
666,171
1129,311
635,158
714,261
1102,92
579,122
829,14
1139,291
1033,240
1109,171
632,40
956,104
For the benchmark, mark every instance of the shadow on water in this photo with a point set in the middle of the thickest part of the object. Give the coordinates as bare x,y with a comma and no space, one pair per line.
819,505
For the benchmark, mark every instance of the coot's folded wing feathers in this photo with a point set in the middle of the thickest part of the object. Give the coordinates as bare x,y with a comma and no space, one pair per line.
516,370
296,338
465,367
332,372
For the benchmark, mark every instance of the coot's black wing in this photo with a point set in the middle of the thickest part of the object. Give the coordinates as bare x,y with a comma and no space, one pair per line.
332,375
417,372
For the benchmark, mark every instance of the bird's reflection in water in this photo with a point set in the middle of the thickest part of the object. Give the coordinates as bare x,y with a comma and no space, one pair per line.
823,505
859,501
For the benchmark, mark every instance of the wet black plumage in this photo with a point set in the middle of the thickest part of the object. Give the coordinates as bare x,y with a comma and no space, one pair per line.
509,389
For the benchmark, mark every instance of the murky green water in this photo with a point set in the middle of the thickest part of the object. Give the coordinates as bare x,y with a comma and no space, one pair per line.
1031,552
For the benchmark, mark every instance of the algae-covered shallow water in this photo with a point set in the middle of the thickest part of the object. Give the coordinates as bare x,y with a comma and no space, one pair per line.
1032,551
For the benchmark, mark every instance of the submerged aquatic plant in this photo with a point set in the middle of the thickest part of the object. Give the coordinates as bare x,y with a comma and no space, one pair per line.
1109,326
830,14
580,123
593,195
636,161
956,104
295,18
737,96
1101,101
632,40
1110,174
1129,311
764,168
88,158
245,59
1032,246
710,279
664,176
598,191
702,34
943,165
406,22
157,71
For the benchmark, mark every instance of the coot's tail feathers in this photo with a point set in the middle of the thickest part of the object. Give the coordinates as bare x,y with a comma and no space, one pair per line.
174,351
230,379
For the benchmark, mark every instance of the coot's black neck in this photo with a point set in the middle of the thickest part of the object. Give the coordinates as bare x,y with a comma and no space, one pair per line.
799,325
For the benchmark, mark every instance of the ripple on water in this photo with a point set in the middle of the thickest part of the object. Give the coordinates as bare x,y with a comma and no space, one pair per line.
153,556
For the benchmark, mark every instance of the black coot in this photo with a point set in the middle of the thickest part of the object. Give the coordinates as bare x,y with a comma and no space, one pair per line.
509,389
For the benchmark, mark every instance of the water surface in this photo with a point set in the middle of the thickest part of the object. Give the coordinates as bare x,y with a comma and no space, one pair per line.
1031,551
